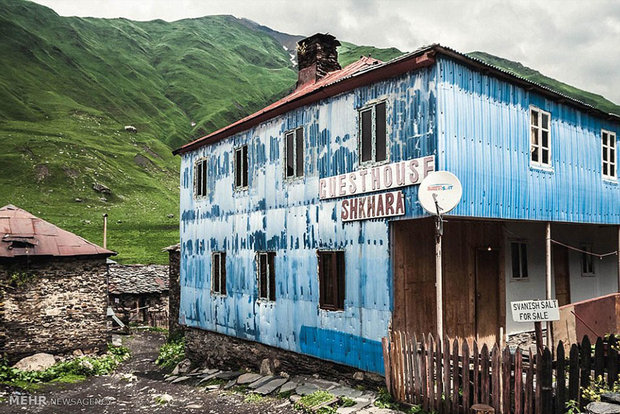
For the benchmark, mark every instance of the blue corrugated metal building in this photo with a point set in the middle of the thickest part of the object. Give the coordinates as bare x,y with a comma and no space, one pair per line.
301,229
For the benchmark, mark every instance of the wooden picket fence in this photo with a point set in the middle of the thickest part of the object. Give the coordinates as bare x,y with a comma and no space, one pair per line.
449,377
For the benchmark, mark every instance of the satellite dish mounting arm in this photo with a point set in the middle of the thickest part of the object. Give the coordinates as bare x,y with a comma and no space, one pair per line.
438,219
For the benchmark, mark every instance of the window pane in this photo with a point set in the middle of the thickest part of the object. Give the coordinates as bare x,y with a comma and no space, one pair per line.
272,276
341,280
262,272
380,132
204,177
545,139
612,155
534,118
545,121
238,168
366,140
515,260
290,160
545,156
612,170
198,178
299,148
605,154
245,166
215,272
605,169
523,260
223,273
604,138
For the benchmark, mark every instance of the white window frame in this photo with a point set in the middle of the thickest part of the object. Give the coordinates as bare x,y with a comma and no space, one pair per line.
607,149
527,263
371,106
206,177
243,186
585,256
218,273
303,140
539,147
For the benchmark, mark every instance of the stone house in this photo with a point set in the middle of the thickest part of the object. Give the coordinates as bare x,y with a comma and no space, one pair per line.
139,294
52,288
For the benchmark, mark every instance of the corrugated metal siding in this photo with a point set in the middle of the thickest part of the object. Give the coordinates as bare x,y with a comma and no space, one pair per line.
288,218
484,140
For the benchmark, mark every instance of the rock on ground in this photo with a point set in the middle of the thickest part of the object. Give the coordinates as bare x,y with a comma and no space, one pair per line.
36,362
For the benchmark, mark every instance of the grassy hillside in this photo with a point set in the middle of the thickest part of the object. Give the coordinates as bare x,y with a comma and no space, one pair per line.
532,75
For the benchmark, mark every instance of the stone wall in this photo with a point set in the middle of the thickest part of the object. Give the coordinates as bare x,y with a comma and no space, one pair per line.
215,350
174,293
52,305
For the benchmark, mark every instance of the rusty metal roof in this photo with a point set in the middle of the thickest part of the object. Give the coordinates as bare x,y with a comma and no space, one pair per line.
23,234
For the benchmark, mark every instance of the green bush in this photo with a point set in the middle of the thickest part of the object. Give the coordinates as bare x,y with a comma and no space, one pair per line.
171,353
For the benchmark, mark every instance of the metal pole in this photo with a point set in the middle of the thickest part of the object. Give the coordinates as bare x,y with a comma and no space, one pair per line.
438,279
548,276
105,230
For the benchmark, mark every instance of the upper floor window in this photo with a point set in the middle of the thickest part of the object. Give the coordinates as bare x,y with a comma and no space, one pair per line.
241,167
266,275
518,252
372,133
609,154
200,178
218,273
540,139
331,280
294,153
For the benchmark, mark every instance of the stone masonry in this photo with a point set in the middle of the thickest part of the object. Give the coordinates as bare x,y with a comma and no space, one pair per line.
52,305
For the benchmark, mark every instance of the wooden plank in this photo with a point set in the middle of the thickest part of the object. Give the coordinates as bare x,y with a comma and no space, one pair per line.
417,387
431,372
496,370
394,369
456,384
585,367
506,373
537,383
409,368
529,387
484,375
612,361
466,379
386,363
446,372
424,374
560,379
599,359
518,382
546,389
476,357
573,373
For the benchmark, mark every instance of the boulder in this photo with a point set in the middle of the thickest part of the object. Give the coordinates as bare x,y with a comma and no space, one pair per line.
266,367
602,408
36,362
100,188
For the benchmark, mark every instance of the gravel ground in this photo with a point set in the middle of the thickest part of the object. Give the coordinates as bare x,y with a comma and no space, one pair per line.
115,394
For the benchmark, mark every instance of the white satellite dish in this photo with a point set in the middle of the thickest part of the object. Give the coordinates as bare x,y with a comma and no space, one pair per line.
440,189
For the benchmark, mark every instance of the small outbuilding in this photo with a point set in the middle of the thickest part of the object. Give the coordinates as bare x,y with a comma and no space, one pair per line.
52,288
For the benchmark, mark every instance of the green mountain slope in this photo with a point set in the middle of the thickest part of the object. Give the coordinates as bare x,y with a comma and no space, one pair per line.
518,69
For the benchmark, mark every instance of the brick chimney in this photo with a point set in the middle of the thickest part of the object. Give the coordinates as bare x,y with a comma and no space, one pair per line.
316,57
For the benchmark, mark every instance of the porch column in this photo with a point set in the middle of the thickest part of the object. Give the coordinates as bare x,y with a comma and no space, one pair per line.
548,276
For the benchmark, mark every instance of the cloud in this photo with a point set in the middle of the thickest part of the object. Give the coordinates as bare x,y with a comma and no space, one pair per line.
573,41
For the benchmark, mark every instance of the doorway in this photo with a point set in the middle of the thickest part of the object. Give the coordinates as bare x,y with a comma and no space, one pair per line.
487,298
561,274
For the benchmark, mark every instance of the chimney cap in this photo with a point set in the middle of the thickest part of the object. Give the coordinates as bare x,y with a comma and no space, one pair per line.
320,37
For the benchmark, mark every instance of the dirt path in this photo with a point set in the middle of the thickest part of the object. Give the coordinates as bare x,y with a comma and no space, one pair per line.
114,394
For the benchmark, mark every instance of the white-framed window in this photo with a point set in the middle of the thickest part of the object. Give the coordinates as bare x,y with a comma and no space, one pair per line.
587,261
540,137
241,167
266,275
218,273
518,251
608,139
373,133
200,177
294,153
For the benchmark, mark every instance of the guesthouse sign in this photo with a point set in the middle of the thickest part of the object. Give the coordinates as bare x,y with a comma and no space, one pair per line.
375,179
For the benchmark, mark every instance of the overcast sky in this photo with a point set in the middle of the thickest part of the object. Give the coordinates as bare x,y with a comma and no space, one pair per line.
577,42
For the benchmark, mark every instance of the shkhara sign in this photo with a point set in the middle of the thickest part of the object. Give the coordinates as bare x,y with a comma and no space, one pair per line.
383,177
